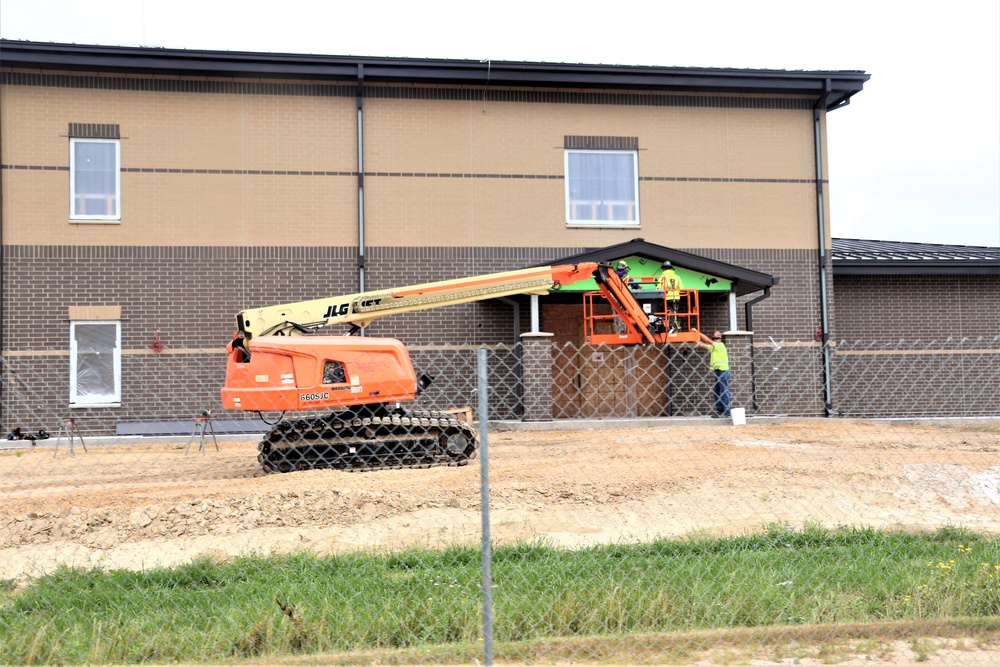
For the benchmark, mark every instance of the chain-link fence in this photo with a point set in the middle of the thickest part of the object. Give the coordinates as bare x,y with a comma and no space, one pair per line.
604,517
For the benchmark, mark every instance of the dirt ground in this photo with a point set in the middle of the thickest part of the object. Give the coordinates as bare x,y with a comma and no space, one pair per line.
142,506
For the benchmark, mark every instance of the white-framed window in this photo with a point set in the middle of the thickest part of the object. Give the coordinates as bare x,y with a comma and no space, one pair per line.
95,360
602,187
94,179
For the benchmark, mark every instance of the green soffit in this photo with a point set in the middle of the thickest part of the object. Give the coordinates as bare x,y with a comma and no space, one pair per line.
644,268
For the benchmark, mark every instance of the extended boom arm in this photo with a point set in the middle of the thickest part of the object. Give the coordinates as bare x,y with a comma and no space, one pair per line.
360,310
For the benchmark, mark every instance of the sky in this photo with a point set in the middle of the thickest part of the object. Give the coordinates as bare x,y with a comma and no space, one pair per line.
914,157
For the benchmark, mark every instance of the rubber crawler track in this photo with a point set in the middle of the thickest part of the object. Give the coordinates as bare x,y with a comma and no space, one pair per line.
401,440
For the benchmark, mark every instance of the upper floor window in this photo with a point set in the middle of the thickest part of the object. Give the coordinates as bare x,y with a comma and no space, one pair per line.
95,358
602,185
94,172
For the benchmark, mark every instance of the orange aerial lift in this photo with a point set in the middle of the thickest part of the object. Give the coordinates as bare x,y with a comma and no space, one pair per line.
641,311
276,362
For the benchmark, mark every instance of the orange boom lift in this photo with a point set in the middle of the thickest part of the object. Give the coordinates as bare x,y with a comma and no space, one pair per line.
276,362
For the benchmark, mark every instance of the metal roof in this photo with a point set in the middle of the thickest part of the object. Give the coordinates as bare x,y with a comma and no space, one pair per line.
862,257
831,89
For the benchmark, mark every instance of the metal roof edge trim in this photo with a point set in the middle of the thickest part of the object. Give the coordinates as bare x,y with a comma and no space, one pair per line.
27,54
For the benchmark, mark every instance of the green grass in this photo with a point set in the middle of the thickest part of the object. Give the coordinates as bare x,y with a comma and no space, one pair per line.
422,605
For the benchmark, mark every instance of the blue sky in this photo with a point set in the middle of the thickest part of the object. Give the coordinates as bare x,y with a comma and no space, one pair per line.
915,157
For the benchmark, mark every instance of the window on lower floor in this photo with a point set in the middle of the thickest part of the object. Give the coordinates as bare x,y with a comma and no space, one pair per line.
95,359
602,187
94,178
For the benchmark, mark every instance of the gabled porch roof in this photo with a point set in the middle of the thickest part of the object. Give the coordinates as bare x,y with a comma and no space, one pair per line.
744,281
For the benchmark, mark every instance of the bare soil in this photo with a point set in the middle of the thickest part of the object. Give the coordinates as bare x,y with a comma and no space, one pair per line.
142,506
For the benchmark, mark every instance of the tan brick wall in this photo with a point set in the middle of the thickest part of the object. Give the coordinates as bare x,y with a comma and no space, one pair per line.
502,164
525,139
185,131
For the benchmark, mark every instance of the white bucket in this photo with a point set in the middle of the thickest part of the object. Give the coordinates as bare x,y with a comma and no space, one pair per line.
739,416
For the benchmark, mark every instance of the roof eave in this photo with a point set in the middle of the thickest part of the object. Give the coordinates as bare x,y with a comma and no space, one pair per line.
838,86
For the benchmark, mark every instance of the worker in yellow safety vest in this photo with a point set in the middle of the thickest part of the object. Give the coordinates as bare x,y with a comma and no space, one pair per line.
671,291
719,359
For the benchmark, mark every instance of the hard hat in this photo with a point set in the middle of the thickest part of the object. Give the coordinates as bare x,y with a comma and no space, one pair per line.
623,264
667,264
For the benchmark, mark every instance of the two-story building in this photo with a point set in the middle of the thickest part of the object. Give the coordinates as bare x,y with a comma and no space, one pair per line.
150,194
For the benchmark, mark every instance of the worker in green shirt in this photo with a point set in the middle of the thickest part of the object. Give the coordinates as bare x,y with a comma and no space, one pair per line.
720,367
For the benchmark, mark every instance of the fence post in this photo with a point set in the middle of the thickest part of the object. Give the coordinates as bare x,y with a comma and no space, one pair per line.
741,370
484,497
537,376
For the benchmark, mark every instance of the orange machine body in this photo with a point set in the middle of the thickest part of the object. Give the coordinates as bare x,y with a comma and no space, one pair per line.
285,373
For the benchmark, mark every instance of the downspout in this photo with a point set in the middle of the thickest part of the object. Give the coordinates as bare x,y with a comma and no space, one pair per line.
818,110
748,306
3,261
361,179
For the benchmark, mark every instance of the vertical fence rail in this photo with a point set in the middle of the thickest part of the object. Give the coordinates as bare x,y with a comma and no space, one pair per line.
484,496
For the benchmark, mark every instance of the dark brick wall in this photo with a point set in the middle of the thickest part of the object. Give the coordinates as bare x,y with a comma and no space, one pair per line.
911,380
792,312
917,346
783,379
917,307
35,392
538,378
190,296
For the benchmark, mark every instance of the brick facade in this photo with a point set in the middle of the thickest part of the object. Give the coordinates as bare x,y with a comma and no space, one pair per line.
238,192
217,164
188,297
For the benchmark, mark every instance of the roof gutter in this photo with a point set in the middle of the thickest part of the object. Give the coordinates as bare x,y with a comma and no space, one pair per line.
837,85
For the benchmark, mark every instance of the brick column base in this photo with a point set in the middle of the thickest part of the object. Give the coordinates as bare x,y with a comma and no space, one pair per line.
536,360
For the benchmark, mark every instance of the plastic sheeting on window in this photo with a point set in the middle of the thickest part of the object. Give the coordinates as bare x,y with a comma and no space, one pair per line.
95,372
